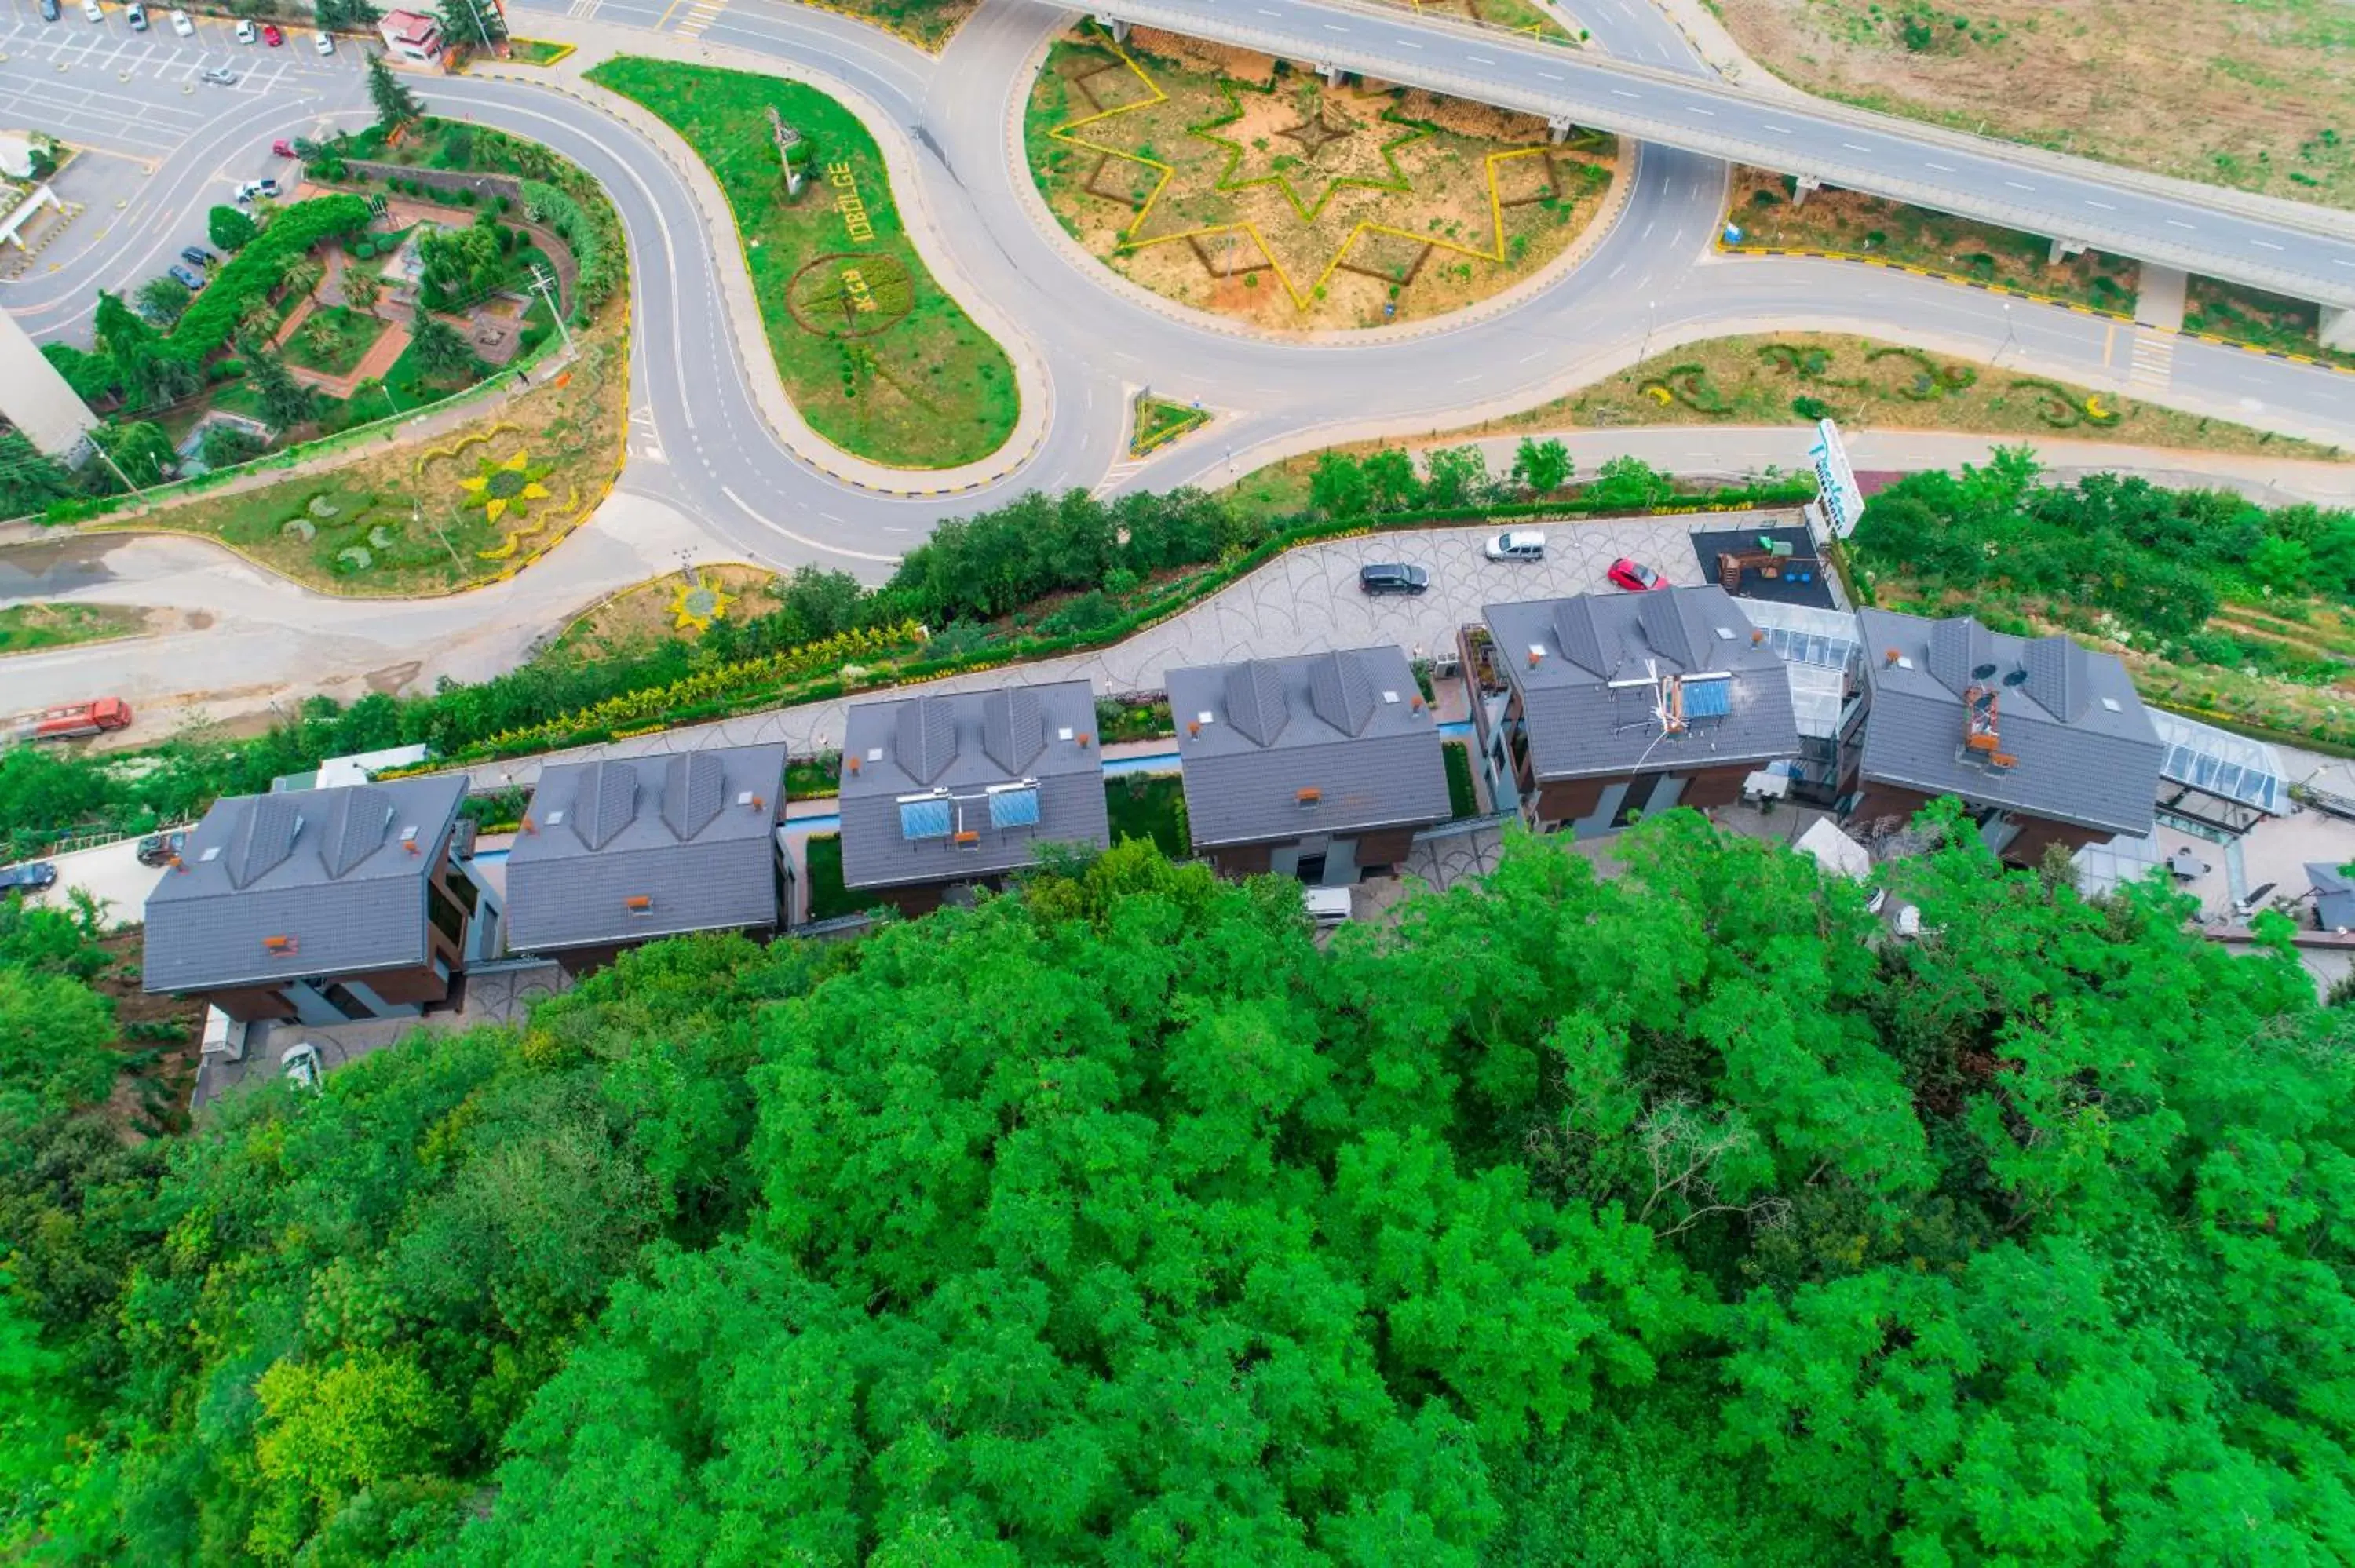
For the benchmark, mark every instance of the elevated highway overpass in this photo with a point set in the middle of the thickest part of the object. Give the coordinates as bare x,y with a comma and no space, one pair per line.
2306,253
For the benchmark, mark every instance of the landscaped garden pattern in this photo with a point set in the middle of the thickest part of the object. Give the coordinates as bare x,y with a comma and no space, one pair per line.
403,521
2222,609
1229,182
1762,206
927,23
875,354
2256,96
1805,377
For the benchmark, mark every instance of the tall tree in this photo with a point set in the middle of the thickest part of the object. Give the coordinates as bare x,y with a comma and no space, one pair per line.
395,105
442,353
162,299
230,228
285,401
1543,466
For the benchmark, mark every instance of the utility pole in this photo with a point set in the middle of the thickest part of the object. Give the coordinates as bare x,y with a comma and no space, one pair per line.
545,284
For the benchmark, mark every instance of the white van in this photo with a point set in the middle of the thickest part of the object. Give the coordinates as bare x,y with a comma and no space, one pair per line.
1517,544
1325,907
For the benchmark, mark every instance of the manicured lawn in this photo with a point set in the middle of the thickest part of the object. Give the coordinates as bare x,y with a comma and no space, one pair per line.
828,896
1160,421
533,52
334,340
874,356
1149,806
1462,801
26,627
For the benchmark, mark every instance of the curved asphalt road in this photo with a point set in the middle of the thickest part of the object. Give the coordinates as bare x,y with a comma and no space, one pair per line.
1649,283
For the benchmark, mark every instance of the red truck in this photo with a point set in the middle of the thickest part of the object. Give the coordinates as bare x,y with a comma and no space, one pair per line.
74,721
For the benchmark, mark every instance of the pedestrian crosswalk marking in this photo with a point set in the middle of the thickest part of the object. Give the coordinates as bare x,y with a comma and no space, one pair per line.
699,15
2153,363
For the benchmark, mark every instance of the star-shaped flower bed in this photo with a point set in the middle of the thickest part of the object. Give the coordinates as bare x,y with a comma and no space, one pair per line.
506,486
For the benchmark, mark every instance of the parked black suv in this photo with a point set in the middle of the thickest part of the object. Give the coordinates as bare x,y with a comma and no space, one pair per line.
158,849
1393,578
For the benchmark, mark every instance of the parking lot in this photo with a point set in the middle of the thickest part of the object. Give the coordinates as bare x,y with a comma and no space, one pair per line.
156,145
142,94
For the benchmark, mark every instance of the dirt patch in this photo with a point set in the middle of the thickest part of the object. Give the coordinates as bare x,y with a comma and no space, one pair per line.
1233,182
2256,96
1761,204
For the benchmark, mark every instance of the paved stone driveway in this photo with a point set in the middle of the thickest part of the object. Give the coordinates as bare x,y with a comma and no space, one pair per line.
1304,601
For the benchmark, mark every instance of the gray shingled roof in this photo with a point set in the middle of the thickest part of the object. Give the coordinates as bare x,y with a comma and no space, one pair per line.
341,873
1347,725
2086,750
951,757
1592,698
692,834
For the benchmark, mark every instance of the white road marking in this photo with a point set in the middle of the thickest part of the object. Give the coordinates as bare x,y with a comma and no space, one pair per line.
1548,76
2264,244
1480,59
2015,185
1623,92
2178,223
1402,43
1778,130
2105,206
1706,113
1855,147
1941,168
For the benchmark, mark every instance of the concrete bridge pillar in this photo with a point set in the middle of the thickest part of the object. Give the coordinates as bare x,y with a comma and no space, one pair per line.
2062,249
1560,128
1332,73
2337,328
1115,25
1799,192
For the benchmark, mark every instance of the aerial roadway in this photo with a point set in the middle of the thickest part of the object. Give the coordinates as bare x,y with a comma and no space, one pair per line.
2285,247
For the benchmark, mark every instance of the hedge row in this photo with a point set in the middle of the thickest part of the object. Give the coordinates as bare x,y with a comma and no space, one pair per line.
251,275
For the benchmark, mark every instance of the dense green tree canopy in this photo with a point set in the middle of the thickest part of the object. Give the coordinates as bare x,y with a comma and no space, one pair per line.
1674,1216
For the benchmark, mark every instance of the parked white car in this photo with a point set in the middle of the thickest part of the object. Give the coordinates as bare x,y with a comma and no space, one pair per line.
302,1066
182,25
1518,544
322,43
91,9
245,33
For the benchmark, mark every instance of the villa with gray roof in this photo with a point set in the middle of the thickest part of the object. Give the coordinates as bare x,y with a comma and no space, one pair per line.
323,905
2044,741
1592,710
621,851
1320,766
958,788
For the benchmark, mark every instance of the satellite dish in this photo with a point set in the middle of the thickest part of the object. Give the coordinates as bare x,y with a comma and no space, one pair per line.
1983,673
2015,677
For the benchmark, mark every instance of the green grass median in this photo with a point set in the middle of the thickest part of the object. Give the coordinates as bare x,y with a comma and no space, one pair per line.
875,354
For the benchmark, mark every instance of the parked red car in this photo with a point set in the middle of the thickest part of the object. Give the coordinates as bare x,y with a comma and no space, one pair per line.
271,36
1634,575
285,149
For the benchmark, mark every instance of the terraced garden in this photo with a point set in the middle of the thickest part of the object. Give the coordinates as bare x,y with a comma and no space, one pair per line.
1229,182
